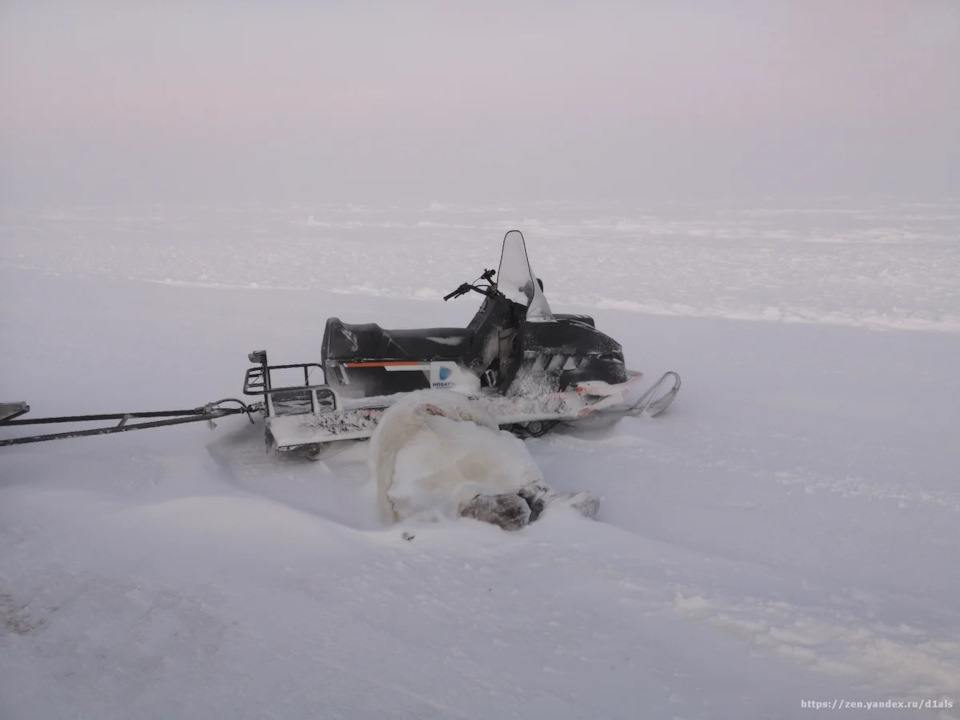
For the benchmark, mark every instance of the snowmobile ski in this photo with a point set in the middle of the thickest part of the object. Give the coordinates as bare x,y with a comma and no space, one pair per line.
655,400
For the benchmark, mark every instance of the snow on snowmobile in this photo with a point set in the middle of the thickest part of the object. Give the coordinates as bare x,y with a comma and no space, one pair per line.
528,367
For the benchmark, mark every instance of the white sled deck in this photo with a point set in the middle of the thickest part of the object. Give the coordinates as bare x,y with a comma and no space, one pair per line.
291,431
311,415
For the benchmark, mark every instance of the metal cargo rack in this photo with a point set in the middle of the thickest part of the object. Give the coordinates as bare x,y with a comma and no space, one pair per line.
288,399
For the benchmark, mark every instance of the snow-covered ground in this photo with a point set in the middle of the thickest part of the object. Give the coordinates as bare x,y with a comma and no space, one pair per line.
786,534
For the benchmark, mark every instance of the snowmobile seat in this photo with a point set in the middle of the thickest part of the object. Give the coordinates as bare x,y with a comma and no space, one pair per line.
369,341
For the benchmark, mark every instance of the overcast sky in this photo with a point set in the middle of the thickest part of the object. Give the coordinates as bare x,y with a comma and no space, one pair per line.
418,101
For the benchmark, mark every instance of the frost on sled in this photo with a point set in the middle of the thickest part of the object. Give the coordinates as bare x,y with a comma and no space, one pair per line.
525,366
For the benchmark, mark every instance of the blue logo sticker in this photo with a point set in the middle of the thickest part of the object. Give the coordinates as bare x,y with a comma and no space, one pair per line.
444,372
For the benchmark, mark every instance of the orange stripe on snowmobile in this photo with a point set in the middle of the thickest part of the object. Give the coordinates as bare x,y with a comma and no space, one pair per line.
391,363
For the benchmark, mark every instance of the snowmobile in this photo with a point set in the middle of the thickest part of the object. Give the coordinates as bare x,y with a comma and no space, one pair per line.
529,367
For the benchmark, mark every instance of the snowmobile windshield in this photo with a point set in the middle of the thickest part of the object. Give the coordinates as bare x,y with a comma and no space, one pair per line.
515,278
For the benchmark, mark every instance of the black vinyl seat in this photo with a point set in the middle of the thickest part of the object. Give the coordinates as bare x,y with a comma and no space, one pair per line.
369,341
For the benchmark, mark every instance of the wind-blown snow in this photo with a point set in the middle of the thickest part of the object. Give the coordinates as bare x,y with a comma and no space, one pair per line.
786,532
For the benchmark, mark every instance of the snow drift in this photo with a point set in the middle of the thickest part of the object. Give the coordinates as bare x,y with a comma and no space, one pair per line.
785,534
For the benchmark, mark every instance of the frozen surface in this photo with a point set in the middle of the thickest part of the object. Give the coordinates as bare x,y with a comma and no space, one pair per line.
786,532
870,264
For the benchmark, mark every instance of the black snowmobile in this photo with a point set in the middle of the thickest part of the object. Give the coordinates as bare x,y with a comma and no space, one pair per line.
527,366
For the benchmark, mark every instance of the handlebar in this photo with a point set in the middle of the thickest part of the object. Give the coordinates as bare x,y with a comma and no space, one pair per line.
467,287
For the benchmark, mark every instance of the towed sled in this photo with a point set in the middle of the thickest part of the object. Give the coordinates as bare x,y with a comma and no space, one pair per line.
526,366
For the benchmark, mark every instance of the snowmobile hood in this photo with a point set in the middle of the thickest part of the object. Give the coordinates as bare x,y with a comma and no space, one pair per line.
515,278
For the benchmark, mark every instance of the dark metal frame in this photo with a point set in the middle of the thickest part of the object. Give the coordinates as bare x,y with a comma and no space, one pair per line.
257,381
9,411
210,411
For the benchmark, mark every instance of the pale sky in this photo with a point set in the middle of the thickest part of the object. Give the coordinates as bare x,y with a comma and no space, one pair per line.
203,101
